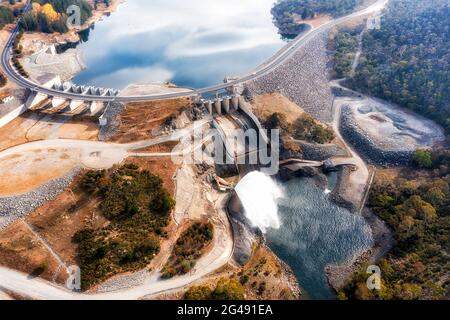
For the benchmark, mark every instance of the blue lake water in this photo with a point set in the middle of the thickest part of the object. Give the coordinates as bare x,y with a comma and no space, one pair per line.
315,232
192,43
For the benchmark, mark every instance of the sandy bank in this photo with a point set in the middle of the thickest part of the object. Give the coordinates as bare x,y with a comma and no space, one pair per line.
137,89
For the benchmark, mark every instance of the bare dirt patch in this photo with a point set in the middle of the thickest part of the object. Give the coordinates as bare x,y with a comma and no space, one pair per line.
266,104
34,126
385,175
165,147
139,120
26,171
21,250
318,21
58,220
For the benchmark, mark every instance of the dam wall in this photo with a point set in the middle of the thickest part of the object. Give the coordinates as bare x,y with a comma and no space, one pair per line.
12,114
303,79
225,105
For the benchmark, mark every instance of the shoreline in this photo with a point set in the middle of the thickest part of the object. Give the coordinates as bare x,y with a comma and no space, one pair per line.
339,274
97,16
292,282
41,54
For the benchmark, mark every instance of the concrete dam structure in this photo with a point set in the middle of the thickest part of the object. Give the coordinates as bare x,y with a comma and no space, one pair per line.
85,90
222,105
53,104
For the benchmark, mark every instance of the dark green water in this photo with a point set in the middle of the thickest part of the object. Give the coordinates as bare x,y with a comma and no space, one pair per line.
315,232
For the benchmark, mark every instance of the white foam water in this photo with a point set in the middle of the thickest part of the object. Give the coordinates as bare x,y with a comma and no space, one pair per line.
259,195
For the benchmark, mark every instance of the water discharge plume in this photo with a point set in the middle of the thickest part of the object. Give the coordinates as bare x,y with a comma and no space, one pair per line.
259,195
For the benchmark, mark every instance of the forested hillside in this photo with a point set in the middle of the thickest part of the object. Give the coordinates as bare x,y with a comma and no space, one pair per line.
6,16
344,45
417,209
287,14
51,15
407,61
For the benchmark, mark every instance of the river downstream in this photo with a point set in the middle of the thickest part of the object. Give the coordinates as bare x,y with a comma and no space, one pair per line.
304,227
314,233
196,44
191,43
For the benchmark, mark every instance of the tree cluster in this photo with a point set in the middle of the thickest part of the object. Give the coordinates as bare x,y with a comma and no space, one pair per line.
288,14
188,249
407,61
137,208
225,289
345,47
51,15
303,128
417,208
6,16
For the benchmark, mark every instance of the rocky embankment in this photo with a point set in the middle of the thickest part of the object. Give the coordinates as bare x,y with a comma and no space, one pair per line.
112,117
365,145
15,207
320,152
303,79
244,235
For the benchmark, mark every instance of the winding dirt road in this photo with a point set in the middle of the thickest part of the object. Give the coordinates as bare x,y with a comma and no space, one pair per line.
22,284
107,154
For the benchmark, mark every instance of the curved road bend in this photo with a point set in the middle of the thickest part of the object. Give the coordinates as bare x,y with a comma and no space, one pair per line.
223,244
21,283
280,57
36,288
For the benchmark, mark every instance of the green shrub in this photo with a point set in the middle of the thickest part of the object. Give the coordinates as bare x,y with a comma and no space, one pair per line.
188,249
130,239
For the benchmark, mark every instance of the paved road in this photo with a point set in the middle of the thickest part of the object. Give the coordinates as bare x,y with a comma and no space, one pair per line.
280,57
223,248
220,254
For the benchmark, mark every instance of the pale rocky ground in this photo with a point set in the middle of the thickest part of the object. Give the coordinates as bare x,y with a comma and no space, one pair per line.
149,89
18,176
65,65
33,126
393,128
383,133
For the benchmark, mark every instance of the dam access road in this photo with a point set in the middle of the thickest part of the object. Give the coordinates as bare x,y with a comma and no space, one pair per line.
281,56
221,253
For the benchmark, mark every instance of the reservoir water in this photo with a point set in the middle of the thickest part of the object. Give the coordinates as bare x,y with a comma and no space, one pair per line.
192,43
314,233
304,227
